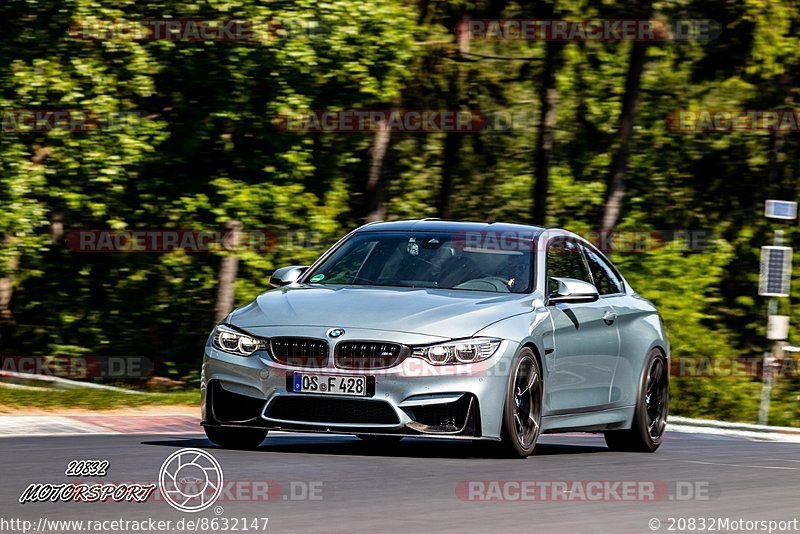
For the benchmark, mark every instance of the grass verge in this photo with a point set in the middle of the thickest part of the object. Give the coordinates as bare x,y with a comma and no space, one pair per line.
90,399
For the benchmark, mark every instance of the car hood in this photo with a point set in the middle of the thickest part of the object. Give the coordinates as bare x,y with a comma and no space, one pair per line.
437,312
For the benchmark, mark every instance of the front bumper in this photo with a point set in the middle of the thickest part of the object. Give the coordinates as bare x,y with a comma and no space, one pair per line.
412,398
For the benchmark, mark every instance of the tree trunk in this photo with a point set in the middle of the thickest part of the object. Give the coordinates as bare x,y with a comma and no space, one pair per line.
548,96
228,270
453,140
452,146
7,285
615,193
376,182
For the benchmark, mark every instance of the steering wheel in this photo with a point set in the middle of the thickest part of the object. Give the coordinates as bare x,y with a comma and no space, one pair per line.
497,283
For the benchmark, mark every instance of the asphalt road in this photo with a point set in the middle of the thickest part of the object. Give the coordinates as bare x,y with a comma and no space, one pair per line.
412,486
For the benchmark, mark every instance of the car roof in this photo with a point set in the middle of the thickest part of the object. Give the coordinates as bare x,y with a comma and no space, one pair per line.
438,225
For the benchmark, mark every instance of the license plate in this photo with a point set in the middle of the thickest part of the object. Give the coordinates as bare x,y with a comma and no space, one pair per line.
355,386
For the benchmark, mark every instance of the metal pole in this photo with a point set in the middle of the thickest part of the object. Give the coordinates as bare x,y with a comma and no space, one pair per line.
766,389
777,351
770,357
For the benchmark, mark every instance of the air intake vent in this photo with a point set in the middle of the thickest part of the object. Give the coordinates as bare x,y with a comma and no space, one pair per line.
328,410
366,355
300,351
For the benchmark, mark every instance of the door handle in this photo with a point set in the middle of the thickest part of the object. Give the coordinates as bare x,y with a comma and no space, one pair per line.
609,317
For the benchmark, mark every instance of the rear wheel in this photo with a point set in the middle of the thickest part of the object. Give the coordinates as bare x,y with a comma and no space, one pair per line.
652,407
235,438
522,415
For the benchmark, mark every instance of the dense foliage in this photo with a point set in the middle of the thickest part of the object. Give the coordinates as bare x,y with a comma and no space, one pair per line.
205,146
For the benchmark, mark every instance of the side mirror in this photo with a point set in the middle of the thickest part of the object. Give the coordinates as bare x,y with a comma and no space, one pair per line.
571,290
287,275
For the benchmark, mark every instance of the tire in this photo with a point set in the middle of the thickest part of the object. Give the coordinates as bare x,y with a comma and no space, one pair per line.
650,415
522,412
235,438
379,440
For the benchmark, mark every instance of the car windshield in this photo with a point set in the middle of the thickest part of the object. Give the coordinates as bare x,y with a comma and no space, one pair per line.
459,260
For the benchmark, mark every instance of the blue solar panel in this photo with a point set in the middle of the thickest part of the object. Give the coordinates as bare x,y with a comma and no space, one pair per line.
776,271
780,209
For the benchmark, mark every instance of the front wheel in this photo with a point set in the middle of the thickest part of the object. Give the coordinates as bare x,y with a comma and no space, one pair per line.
522,416
650,415
235,438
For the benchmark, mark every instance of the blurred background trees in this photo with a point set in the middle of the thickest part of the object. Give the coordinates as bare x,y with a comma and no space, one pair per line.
589,149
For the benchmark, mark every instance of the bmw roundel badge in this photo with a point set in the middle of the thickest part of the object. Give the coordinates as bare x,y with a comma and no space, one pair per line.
336,332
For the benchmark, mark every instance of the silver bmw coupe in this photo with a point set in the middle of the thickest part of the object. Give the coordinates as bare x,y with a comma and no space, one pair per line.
438,329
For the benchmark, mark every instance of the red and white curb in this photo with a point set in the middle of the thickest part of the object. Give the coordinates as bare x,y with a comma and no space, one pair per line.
119,424
783,434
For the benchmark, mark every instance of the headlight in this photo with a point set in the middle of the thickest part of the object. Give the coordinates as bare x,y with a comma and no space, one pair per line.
231,341
464,351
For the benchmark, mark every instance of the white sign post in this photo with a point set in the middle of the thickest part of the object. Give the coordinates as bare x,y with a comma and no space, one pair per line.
774,282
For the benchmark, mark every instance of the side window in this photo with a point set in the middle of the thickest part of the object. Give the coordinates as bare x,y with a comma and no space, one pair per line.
605,279
565,260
